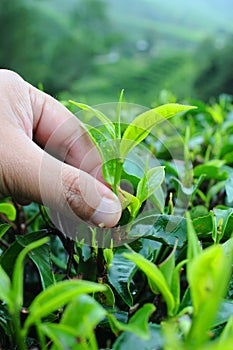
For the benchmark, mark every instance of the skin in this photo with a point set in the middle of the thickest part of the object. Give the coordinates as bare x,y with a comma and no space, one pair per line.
68,174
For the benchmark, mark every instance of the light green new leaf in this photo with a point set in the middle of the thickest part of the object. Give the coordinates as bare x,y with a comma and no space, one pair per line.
64,337
137,325
150,182
208,276
101,116
17,278
168,265
9,210
228,248
58,295
129,201
194,248
155,277
108,256
142,125
175,284
83,314
227,333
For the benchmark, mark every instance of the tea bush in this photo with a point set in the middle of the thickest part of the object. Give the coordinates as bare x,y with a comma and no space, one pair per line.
167,283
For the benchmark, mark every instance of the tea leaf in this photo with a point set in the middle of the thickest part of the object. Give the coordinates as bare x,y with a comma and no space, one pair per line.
194,248
58,295
208,276
18,274
129,341
83,314
142,125
9,210
155,277
120,275
5,287
138,323
150,182
101,116
3,229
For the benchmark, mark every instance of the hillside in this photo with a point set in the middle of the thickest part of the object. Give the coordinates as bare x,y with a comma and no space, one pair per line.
176,22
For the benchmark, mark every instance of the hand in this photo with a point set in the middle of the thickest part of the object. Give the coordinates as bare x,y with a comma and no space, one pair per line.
30,121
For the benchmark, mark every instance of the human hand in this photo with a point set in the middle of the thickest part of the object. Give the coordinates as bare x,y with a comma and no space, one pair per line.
32,120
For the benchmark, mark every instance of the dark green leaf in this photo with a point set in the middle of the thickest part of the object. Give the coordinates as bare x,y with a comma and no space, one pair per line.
18,273
3,229
41,258
167,229
120,275
212,170
128,341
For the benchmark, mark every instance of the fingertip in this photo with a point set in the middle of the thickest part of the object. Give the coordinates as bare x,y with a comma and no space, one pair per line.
108,212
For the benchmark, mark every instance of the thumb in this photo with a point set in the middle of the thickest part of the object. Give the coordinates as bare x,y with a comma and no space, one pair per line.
42,178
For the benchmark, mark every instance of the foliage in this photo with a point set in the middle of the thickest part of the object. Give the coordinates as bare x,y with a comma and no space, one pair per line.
170,288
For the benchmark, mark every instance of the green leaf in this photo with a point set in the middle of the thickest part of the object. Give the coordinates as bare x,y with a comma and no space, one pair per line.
3,229
108,256
18,274
120,275
228,248
212,170
175,284
229,188
224,313
58,295
150,182
128,341
155,277
9,210
129,201
194,248
106,298
208,276
167,267
227,333
138,323
9,256
204,225
5,287
63,337
101,116
167,229
83,314
41,258
142,125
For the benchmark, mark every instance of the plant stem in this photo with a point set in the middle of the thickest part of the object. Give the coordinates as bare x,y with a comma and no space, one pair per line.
20,341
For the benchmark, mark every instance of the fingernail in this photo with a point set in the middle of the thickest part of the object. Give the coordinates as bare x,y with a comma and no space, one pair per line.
108,213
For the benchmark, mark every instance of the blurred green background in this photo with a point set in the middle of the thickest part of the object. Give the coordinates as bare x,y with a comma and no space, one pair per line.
88,50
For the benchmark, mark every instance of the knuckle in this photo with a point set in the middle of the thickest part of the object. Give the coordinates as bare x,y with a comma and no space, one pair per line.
75,191
10,75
